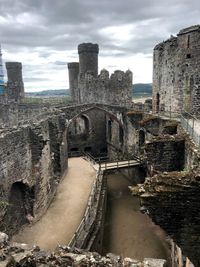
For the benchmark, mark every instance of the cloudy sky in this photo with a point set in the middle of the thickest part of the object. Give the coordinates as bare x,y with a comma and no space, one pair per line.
44,34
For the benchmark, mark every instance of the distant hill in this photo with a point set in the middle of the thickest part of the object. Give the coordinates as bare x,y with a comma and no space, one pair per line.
49,93
139,89
142,89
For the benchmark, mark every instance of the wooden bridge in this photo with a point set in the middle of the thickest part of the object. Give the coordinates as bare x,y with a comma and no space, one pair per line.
117,164
102,163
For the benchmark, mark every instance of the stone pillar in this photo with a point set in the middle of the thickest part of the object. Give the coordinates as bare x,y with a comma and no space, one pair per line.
15,85
73,69
88,58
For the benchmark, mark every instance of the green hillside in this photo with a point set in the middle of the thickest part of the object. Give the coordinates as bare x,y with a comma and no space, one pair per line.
139,89
142,89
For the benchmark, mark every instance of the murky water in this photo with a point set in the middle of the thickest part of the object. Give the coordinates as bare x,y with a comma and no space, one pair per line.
128,232
61,220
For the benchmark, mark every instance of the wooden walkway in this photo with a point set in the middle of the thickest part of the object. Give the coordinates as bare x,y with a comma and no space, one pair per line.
117,164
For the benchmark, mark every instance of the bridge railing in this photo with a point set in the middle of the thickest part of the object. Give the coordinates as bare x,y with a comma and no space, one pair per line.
118,164
90,214
95,160
192,126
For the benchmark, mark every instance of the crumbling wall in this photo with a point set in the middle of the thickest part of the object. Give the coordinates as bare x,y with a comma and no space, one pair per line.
27,157
176,83
116,89
166,154
172,201
15,254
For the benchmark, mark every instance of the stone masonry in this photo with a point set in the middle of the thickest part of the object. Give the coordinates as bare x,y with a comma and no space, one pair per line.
94,88
176,67
15,85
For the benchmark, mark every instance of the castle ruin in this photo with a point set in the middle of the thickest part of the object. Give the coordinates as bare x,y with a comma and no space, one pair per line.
176,68
86,86
34,153
13,90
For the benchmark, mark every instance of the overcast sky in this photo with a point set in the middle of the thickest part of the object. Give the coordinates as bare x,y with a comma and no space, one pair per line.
44,34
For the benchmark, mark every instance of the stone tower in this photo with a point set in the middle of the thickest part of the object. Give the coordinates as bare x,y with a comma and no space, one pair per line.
86,86
88,59
2,86
176,72
73,69
15,85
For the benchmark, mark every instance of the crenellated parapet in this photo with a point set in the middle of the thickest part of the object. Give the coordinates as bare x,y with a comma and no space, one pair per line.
88,58
90,87
114,89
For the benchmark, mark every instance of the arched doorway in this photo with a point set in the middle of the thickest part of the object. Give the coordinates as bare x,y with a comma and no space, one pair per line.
93,131
20,206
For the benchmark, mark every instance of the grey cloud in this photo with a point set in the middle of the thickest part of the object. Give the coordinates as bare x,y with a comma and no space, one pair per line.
60,63
62,24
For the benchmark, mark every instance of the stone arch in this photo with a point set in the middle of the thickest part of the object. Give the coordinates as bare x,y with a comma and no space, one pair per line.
80,125
20,206
91,141
84,112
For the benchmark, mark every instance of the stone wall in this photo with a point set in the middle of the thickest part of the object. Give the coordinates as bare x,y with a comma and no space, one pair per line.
116,89
172,201
32,161
176,82
93,88
13,114
15,85
73,69
166,154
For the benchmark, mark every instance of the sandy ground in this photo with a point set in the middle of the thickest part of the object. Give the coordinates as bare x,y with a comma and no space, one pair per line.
59,223
128,232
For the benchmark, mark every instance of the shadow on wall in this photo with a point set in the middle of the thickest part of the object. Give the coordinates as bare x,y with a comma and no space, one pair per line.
20,207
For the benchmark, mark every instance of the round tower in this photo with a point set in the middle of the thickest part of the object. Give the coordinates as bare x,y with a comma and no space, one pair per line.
73,69
2,87
88,58
15,85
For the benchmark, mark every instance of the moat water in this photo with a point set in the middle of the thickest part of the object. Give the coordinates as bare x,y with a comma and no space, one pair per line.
127,231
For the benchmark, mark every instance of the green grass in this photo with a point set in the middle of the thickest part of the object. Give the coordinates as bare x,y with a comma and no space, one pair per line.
48,100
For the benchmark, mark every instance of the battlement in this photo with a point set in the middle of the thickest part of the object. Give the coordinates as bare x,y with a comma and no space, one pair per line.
89,87
73,65
88,48
189,29
13,65
171,41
